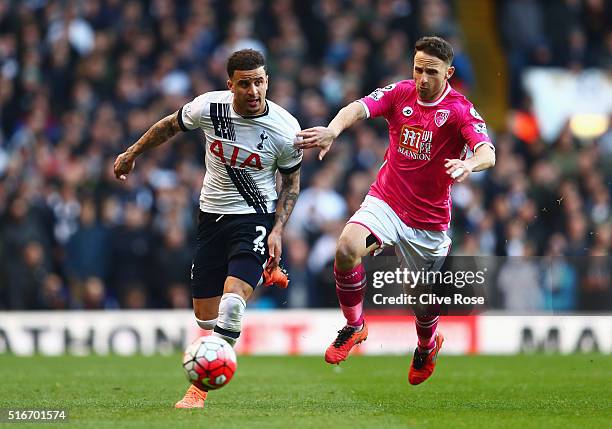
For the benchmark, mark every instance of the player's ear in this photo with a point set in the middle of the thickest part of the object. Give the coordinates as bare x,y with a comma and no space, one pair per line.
230,85
450,72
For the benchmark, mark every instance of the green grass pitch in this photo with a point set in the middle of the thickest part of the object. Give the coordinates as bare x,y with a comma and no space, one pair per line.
537,391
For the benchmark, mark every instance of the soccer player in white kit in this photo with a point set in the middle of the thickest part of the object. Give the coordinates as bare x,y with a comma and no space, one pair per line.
431,126
248,139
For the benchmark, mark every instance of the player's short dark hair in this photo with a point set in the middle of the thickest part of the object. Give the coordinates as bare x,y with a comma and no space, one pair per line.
245,59
437,47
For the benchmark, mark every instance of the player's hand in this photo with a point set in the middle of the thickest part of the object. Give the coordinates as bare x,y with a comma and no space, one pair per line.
124,164
457,169
321,137
275,248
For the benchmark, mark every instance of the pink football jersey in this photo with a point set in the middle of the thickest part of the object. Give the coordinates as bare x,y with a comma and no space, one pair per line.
413,179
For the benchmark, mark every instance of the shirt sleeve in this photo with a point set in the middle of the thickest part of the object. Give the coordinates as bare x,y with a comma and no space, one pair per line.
190,115
474,130
380,101
290,158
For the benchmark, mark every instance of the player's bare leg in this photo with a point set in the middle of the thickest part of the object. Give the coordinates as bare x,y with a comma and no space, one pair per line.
206,311
355,242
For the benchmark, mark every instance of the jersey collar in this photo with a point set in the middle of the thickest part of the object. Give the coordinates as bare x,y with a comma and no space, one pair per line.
439,100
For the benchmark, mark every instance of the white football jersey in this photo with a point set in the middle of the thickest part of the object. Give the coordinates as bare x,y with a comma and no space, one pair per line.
242,153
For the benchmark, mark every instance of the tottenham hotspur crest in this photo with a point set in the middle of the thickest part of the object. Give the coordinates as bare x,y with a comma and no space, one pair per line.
263,136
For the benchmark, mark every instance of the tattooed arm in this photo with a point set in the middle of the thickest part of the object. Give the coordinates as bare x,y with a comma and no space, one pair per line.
158,134
290,188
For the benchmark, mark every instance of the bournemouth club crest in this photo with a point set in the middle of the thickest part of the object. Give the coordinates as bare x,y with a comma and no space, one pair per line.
441,117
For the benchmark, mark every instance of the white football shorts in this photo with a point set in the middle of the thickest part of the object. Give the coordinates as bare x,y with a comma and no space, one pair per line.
417,249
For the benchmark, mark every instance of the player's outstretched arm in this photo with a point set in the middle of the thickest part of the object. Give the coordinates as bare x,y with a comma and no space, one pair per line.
290,189
159,133
483,158
323,137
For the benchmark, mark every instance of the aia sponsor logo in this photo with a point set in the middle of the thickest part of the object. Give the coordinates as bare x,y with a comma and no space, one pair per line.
441,117
415,143
237,157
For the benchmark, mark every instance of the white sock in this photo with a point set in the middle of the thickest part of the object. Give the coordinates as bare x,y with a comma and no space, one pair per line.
229,322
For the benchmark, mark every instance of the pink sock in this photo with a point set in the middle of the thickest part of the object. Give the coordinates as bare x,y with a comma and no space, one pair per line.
426,326
350,288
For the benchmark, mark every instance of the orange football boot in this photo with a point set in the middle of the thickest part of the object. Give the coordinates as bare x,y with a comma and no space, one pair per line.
277,277
423,363
344,342
194,398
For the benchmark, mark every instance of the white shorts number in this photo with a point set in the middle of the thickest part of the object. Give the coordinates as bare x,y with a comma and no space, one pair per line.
258,243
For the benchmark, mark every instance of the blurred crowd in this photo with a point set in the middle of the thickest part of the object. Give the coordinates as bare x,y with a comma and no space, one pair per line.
573,34
82,80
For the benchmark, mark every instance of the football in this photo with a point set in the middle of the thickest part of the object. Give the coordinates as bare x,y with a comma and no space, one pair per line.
209,363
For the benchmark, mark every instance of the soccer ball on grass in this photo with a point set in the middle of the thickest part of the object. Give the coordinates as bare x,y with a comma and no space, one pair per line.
209,363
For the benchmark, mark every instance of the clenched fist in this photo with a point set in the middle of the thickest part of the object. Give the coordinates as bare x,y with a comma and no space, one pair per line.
124,164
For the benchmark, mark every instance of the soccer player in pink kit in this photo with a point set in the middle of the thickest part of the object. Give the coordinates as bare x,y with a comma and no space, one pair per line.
431,126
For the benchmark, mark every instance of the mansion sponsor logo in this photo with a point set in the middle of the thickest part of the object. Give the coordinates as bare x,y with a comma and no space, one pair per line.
415,143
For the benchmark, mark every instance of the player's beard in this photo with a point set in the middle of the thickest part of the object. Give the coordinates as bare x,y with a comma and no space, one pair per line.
424,94
430,94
